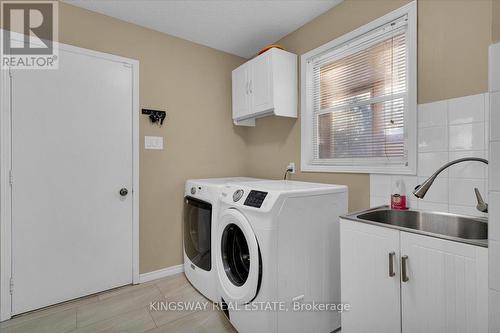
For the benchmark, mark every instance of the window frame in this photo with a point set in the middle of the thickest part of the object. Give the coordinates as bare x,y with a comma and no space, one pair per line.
410,113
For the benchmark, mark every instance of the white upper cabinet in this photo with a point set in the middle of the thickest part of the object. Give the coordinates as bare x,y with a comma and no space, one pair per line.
241,88
261,89
265,85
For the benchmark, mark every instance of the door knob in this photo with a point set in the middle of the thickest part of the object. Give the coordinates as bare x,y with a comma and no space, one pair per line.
123,192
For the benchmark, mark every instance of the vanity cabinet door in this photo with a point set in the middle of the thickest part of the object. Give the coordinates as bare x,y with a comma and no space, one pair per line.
446,288
370,278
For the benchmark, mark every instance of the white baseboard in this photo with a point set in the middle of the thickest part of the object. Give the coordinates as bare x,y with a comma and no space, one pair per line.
161,273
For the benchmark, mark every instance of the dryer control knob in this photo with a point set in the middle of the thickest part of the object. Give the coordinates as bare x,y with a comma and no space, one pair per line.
193,190
237,195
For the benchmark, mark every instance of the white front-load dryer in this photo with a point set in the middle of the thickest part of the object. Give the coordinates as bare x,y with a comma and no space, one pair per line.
279,253
201,203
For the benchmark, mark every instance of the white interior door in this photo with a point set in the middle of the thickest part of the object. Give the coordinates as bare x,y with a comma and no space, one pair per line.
72,146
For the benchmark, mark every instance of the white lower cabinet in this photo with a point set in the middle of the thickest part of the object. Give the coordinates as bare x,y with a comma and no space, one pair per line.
447,290
396,281
367,285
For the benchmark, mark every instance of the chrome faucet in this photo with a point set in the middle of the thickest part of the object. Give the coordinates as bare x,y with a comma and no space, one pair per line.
422,189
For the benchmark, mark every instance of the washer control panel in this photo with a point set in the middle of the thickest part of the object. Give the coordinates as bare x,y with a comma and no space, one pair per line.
255,198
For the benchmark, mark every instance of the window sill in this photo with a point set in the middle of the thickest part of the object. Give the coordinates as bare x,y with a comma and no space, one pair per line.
366,169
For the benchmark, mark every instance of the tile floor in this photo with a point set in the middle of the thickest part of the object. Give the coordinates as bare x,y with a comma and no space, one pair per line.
125,310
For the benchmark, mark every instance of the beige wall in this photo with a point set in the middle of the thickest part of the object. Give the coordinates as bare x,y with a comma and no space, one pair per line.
453,39
193,83
495,26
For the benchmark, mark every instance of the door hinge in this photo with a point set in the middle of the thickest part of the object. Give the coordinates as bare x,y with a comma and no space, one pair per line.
11,178
11,286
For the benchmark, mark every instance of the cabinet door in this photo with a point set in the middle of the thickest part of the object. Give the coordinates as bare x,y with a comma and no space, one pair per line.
261,83
240,91
447,286
367,284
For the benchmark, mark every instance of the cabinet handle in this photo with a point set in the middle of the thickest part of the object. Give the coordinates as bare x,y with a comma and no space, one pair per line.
404,274
251,87
391,264
247,87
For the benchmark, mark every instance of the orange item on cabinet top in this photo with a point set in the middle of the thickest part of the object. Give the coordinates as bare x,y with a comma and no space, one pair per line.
268,47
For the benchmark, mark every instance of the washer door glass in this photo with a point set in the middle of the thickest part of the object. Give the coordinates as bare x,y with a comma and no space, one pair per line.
235,255
238,258
197,232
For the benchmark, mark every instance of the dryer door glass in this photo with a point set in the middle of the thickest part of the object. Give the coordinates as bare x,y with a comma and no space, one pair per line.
197,232
235,254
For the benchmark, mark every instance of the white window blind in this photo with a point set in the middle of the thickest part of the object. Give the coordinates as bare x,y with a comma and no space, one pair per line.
358,93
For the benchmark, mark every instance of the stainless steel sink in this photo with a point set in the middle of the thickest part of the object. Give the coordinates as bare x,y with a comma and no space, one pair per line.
464,229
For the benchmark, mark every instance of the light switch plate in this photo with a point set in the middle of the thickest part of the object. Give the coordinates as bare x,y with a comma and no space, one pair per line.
153,142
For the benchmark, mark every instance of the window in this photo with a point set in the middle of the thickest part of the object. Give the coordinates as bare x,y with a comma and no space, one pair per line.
359,99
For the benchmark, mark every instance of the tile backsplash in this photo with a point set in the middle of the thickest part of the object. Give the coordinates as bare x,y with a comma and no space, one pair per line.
447,130
494,187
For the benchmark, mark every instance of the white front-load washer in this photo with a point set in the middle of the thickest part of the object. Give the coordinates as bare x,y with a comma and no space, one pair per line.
279,254
201,202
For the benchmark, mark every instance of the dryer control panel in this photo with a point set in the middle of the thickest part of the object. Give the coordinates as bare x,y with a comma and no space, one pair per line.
255,198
